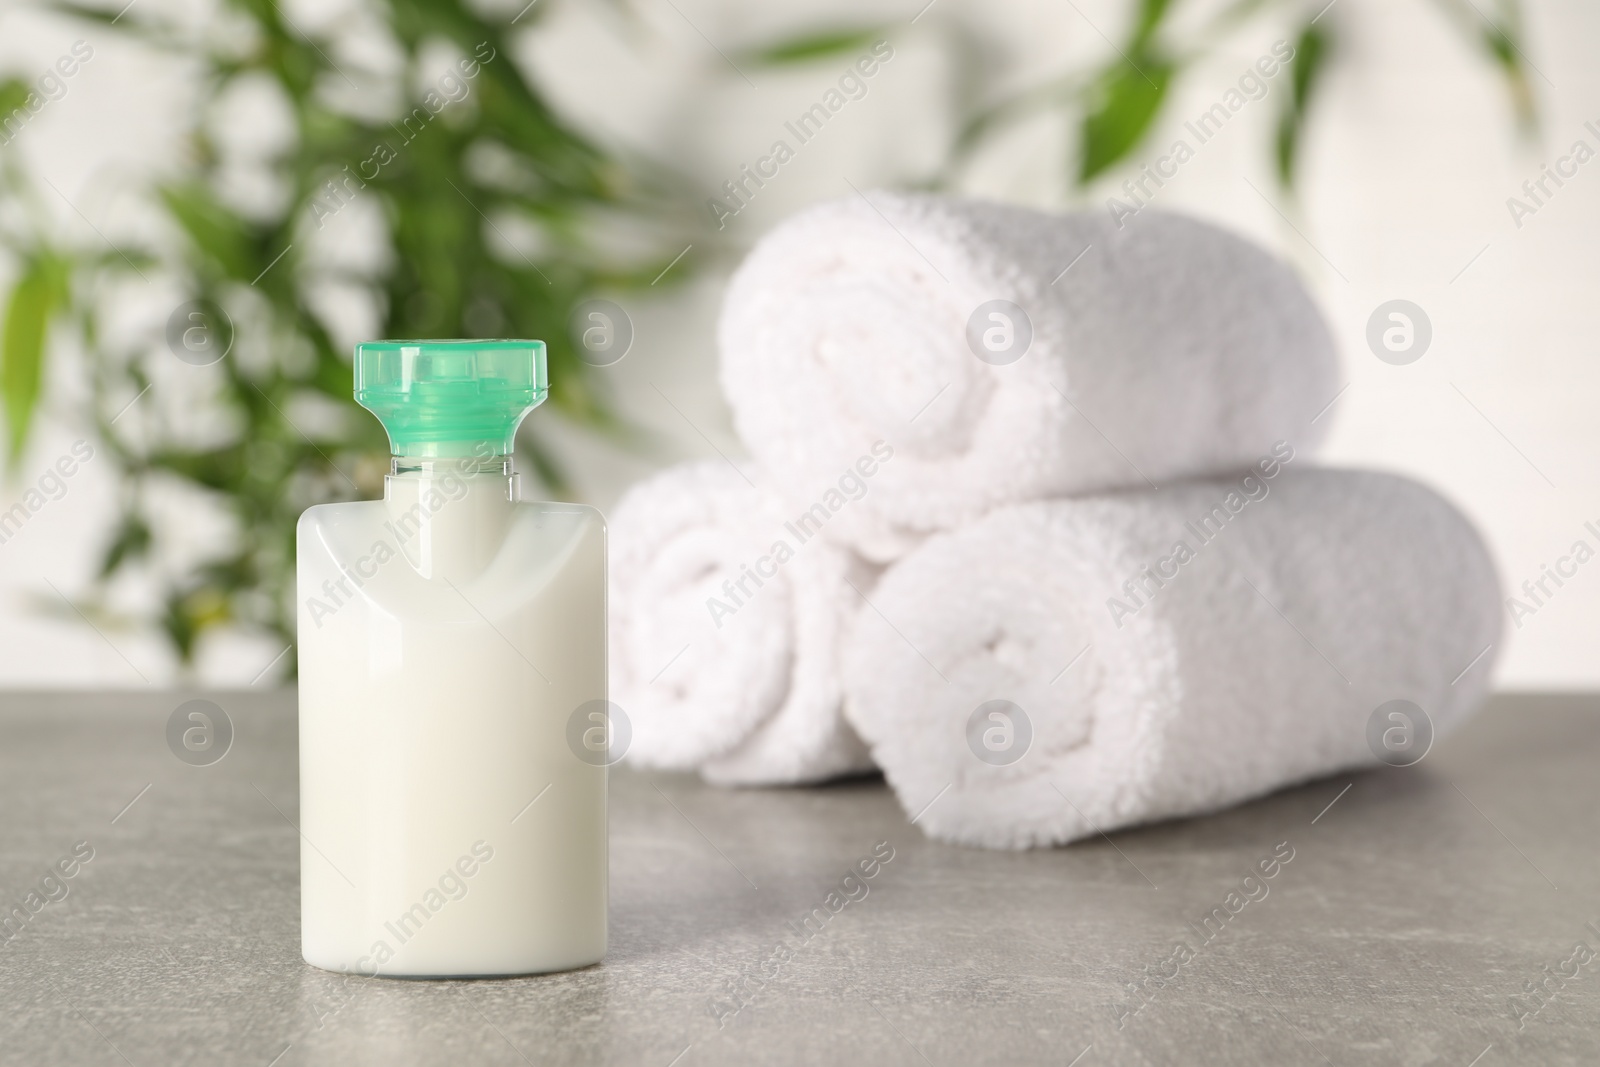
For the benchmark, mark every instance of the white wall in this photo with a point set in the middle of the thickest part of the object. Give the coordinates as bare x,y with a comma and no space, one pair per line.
1412,159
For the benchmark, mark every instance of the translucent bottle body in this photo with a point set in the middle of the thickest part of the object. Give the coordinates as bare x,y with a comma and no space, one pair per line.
450,636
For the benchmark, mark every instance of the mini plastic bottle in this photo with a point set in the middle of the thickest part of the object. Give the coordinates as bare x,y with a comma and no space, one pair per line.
452,671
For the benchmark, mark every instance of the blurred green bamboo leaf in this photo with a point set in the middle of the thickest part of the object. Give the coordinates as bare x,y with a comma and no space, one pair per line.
1147,20
13,94
1312,50
1125,99
1501,41
1122,107
103,15
40,292
1502,48
809,47
216,232
130,541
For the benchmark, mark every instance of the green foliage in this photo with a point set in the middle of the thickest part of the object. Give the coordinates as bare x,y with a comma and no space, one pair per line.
1146,21
1125,99
13,94
807,48
1125,102
456,166
1115,106
1311,51
38,295
1499,40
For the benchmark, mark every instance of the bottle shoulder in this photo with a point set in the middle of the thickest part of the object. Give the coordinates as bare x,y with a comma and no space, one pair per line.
356,510
337,514
357,523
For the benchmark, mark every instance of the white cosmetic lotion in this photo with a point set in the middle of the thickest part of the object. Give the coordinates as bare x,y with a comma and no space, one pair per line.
452,668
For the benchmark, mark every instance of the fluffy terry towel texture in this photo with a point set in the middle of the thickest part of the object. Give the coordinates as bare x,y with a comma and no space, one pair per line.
1302,603
1164,350
747,697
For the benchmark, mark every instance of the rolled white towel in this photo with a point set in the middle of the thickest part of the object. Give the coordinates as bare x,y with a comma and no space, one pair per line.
723,648
1252,657
1167,349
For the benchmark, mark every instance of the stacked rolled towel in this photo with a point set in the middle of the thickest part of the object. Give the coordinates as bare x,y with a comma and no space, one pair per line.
1169,654
986,377
1164,350
724,653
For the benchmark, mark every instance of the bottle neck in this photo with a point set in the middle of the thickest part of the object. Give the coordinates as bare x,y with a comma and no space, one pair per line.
449,516
461,465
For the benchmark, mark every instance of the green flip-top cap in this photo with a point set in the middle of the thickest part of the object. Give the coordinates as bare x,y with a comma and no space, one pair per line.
450,398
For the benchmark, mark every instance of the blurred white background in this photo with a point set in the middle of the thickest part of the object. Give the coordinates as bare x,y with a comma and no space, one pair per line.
1412,158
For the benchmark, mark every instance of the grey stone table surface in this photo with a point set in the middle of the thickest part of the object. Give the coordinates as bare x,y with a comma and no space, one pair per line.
1429,915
